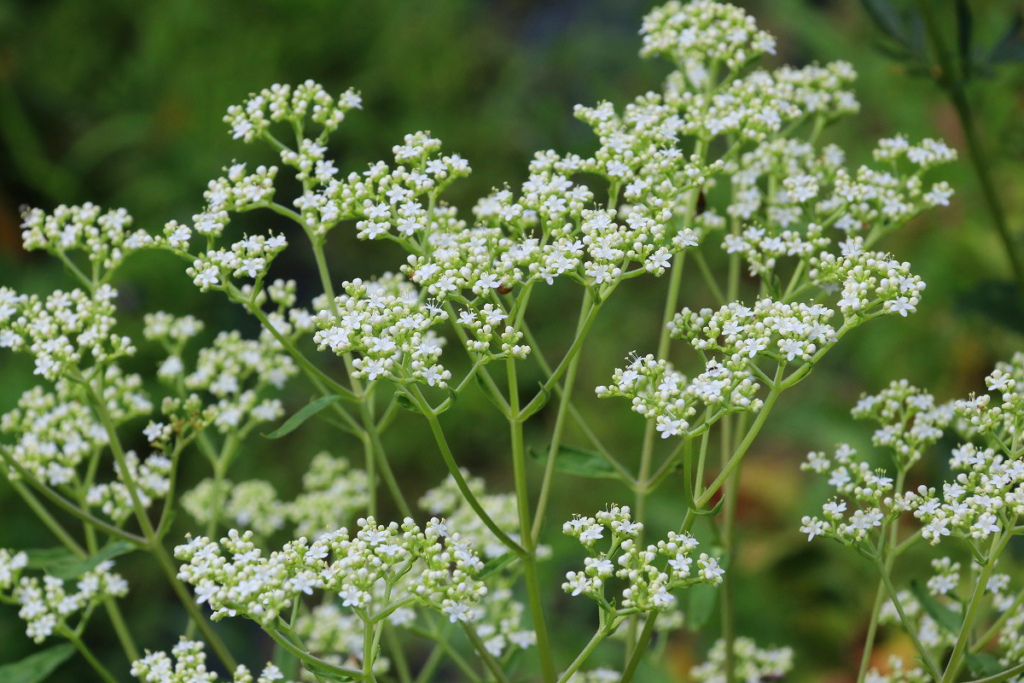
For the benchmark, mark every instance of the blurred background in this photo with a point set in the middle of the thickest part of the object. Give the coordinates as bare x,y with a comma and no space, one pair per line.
119,103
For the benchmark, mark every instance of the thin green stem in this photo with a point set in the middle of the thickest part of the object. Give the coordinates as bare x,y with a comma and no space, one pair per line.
87,654
565,396
481,649
599,636
525,532
314,663
453,469
994,630
640,648
962,640
908,625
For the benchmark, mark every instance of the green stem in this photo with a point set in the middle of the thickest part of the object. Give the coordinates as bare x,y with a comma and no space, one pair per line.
955,659
583,655
486,656
152,542
954,87
86,653
993,631
565,396
908,625
453,469
526,535
1003,676
310,660
640,648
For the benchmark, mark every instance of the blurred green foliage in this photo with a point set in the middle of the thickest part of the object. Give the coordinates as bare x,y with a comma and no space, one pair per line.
119,102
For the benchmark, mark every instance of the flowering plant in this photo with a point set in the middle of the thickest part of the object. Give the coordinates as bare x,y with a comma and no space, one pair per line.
342,597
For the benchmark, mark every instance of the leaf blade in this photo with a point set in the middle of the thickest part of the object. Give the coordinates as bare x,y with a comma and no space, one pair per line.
308,411
37,666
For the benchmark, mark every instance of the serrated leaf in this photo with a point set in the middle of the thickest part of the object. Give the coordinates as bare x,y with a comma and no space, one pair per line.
296,420
943,616
496,564
984,664
37,666
578,462
887,19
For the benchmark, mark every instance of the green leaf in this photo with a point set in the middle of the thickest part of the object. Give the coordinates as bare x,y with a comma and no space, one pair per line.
984,664
578,462
943,616
296,420
887,19
63,564
701,599
41,558
496,564
36,667
1010,47
406,403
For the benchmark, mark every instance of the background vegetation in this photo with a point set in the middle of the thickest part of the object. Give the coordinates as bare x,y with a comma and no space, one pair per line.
119,103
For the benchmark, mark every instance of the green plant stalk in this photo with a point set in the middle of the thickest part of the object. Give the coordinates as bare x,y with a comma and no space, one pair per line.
453,468
87,654
397,653
565,397
927,660
599,636
152,542
998,625
956,659
954,87
889,538
547,663
640,648
489,661
310,660
1002,676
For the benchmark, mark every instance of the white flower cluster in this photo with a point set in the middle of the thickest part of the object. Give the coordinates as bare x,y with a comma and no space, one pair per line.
64,330
660,393
187,664
751,663
46,603
357,568
649,587
898,673
102,236
790,333
909,420
249,258
390,330
697,34
151,479
290,104
446,501
397,203
55,431
332,493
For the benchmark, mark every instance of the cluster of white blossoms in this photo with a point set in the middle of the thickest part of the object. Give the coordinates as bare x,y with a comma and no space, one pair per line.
248,258
54,431
289,104
64,331
785,333
910,422
447,502
660,393
367,570
333,493
648,586
47,603
187,664
389,328
751,663
102,236
151,479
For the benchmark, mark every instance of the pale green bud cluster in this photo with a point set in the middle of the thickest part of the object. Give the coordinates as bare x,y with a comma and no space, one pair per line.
751,663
